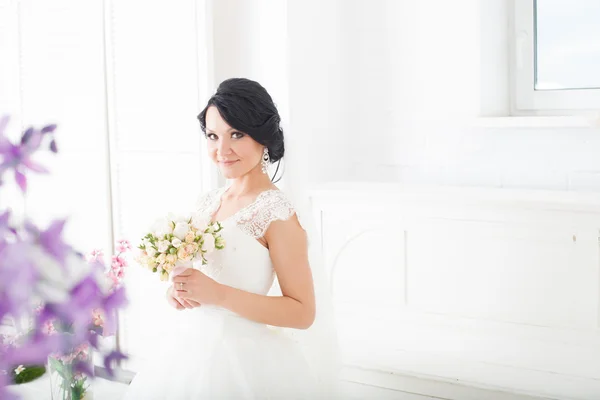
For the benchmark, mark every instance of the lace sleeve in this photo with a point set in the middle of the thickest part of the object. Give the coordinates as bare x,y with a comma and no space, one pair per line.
270,206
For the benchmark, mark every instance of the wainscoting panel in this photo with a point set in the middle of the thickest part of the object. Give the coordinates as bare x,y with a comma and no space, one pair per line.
493,288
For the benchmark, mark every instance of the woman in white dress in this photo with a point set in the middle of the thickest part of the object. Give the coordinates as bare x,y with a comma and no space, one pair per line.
230,346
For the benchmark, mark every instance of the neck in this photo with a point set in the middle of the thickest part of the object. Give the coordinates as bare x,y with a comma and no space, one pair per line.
254,180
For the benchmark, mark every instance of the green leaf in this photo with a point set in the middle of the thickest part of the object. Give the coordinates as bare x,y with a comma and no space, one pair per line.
31,372
57,366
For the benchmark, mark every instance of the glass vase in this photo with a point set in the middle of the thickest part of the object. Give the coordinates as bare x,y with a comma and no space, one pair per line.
65,382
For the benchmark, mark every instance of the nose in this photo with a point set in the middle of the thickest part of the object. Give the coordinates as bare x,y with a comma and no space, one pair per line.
223,147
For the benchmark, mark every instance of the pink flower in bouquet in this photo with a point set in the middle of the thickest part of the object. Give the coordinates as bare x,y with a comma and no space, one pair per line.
96,255
48,328
82,350
118,262
115,280
123,246
97,318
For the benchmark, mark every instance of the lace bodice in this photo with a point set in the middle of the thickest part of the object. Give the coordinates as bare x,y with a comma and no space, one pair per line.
244,262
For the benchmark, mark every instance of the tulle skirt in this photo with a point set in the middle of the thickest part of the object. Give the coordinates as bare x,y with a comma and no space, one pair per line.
214,354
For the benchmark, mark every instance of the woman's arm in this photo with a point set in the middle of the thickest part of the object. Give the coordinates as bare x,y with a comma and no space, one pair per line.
289,253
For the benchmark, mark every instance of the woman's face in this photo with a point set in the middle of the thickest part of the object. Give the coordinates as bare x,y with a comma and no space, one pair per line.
234,152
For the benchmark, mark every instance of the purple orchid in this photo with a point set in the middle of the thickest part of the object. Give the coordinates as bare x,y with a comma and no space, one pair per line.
51,241
39,266
17,157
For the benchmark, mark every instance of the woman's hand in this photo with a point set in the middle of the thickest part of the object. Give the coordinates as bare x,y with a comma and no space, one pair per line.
178,303
192,285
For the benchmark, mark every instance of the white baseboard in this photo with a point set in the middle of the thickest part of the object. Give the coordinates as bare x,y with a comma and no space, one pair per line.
427,387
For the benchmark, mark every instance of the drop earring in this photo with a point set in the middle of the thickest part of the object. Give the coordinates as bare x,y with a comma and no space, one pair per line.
265,161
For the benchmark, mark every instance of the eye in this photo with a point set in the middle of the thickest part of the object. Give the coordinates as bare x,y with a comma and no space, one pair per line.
211,136
237,135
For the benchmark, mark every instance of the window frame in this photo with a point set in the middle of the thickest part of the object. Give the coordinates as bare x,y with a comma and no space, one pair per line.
525,100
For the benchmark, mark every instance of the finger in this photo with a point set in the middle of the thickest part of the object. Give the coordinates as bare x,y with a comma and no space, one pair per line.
190,304
180,279
179,301
183,293
180,287
176,304
193,303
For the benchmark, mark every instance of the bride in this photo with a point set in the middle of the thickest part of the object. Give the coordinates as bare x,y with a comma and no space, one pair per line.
237,340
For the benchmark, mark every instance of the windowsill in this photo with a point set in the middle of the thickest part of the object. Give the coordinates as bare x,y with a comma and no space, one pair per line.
536,122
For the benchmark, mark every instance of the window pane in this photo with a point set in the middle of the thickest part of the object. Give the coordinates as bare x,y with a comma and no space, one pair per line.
62,82
567,42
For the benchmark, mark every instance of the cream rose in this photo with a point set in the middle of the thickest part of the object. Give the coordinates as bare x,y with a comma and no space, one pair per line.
189,238
163,245
181,230
168,266
150,250
183,254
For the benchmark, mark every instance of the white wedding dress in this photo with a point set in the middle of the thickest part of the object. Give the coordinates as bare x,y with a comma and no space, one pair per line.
217,354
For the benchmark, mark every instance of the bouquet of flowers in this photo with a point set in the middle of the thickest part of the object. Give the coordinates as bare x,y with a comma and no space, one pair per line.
179,241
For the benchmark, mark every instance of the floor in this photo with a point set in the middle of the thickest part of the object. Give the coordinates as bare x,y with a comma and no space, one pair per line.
108,390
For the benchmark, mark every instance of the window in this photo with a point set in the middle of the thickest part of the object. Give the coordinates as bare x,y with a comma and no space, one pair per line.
556,59
125,96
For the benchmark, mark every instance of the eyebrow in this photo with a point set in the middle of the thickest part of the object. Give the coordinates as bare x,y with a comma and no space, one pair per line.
211,131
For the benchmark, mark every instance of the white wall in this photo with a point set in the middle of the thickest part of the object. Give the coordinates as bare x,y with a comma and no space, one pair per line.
384,90
249,40
455,55
296,50
388,90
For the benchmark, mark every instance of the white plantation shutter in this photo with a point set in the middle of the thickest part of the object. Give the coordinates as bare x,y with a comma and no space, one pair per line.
9,104
124,81
155,92
62,81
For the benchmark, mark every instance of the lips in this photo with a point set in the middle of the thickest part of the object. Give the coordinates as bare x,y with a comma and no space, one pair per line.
228,163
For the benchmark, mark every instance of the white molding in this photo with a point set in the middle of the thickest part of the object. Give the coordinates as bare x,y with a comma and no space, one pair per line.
324,196
425,386
537,122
